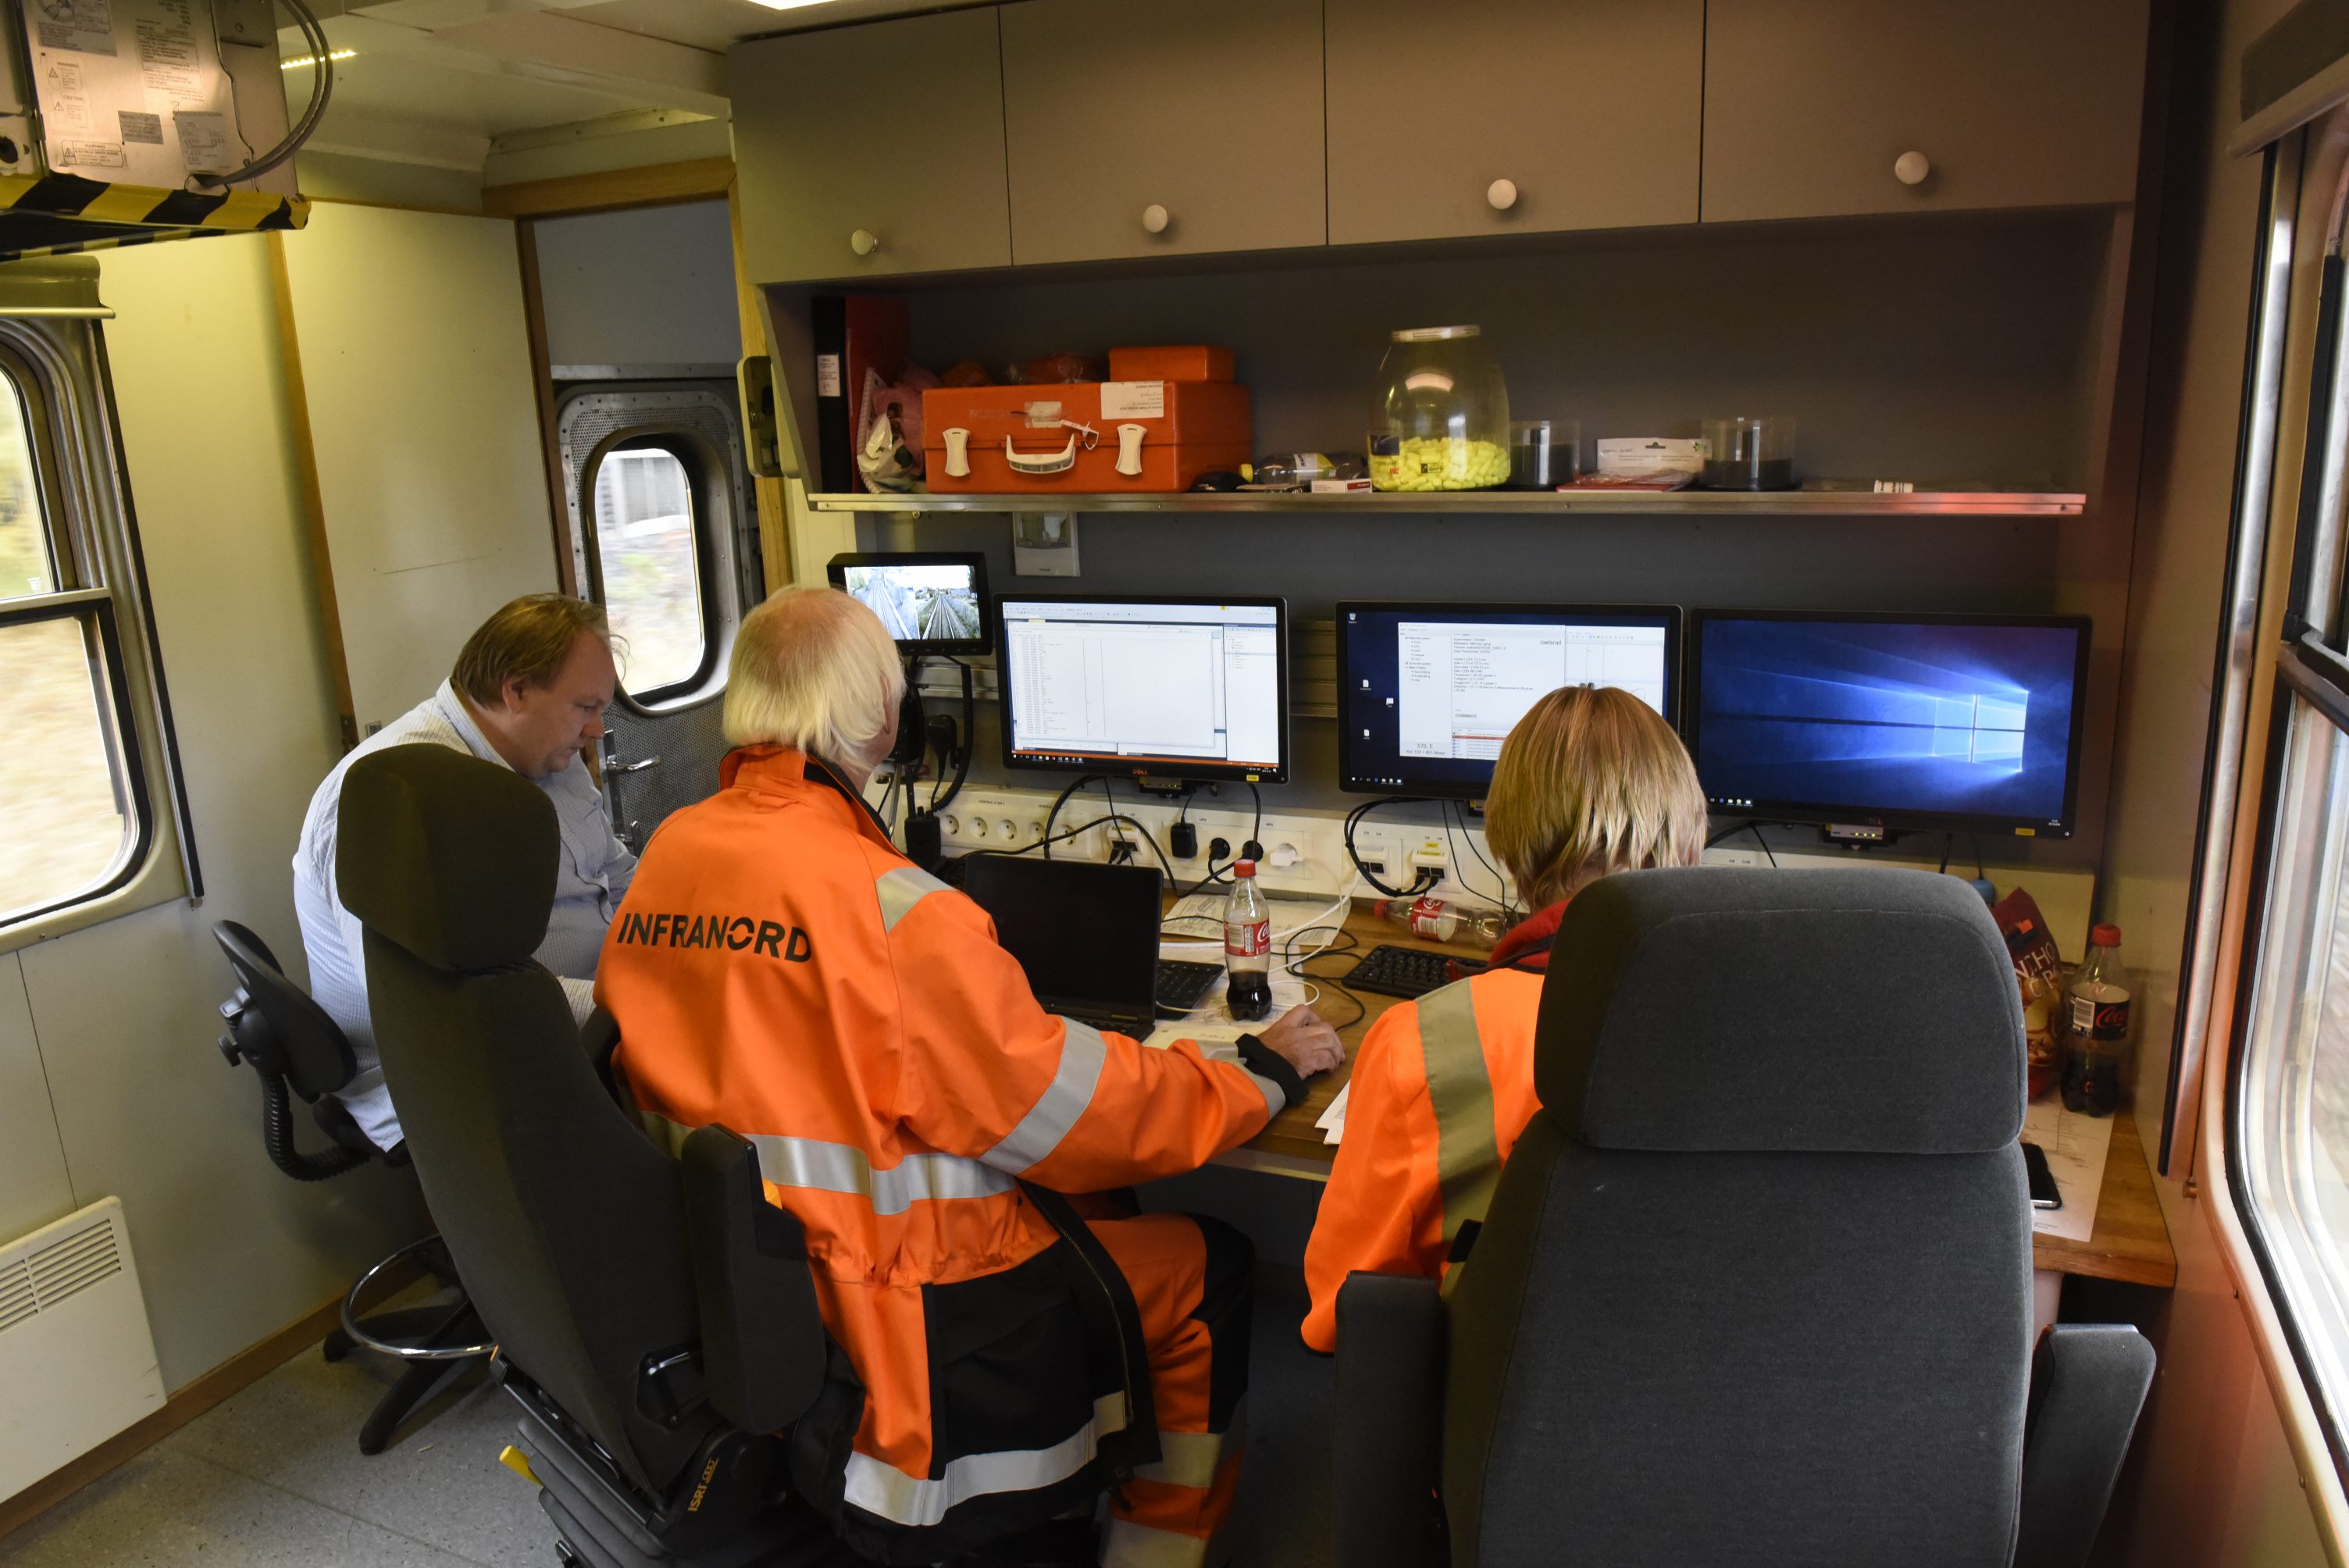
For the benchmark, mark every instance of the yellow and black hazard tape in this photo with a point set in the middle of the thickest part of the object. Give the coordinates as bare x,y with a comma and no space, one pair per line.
92,215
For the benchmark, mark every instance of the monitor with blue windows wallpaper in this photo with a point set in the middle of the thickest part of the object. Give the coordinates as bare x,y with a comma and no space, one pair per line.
1967,722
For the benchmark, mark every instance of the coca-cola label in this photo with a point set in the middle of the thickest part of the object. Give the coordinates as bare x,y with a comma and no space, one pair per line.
1427,919
2096,1020
1251,941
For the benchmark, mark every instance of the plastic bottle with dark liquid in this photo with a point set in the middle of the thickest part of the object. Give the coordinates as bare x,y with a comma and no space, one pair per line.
2096,1028
1248,947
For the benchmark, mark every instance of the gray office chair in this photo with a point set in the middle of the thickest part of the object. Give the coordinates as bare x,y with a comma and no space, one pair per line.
655,1319
298,1051
1754,1286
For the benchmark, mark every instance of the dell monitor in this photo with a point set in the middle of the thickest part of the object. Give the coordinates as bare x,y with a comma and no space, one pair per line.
932,601
1179,687
1427,691
1966,722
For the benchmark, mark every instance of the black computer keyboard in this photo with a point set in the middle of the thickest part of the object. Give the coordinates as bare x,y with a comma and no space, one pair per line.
1182,985
1400,972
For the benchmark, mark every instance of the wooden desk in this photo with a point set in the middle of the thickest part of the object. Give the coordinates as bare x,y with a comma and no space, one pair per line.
2131,1242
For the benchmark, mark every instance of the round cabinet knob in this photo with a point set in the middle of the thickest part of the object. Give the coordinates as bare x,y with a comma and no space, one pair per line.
864,242
1502,194
1911,167
1154,218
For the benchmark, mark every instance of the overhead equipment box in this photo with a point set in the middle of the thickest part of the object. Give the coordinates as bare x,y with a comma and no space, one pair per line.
120,118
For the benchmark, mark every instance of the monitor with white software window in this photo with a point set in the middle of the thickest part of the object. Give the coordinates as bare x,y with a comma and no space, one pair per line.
1176,687
1427,691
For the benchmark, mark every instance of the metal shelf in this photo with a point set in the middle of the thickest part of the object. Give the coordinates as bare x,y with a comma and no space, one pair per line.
1608,503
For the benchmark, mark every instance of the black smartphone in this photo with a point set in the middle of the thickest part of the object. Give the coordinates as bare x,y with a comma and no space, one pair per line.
2043,1194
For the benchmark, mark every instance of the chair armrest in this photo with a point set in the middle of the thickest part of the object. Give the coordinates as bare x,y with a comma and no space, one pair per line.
1388,1419
762,1339
2088,1380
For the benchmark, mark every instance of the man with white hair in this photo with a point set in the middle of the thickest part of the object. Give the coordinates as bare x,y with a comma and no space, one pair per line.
781,968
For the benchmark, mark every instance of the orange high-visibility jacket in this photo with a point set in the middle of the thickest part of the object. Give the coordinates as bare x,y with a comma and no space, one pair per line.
1441,1091
779,967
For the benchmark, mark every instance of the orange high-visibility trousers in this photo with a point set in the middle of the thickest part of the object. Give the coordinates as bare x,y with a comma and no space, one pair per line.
1190,1278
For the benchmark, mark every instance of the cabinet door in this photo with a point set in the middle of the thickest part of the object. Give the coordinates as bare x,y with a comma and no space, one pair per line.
1589,108
1812,107
892,130
1162,125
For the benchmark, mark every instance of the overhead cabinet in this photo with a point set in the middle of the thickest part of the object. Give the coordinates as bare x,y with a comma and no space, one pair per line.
1817,108
1080,130
871,151
1492,116
1162,127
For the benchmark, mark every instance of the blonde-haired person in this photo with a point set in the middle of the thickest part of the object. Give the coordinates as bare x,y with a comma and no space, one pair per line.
1590,782
528,691
780,968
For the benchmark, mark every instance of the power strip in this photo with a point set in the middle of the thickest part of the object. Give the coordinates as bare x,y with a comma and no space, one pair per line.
1305,850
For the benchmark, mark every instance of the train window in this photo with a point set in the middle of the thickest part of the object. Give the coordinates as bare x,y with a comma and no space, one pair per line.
648,555
70,769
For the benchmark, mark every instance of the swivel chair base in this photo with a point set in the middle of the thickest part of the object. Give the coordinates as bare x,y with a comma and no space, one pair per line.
436,1344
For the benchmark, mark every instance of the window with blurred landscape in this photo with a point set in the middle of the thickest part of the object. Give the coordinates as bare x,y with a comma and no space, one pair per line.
651,566
61,774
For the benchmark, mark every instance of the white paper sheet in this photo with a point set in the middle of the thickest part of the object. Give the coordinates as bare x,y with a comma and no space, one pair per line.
2075,1146
1332,1121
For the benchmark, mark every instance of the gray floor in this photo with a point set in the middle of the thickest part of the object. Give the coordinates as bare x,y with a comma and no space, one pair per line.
274,1479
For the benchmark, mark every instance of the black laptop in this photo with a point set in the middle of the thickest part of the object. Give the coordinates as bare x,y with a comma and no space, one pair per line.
1087,934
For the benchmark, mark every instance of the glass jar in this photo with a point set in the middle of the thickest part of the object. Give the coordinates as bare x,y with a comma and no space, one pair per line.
1442,418
1751,453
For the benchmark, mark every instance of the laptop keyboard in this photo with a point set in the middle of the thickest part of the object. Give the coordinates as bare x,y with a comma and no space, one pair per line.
1183,986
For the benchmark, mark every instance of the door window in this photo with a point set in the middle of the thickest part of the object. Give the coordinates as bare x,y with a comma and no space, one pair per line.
647,550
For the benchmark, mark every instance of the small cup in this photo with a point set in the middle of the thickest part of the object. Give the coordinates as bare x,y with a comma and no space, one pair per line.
1542,453
1749,452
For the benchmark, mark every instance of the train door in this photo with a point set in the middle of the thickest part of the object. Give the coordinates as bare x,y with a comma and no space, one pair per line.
664,534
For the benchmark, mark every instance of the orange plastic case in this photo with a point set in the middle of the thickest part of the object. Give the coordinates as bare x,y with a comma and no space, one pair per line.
1180,362
1081,436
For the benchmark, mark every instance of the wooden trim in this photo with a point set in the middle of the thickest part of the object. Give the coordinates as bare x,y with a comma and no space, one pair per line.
394,206
541,377
774,529
233,1375
655,185
314,501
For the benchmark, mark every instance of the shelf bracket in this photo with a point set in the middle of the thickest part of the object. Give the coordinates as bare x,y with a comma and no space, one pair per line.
1044,543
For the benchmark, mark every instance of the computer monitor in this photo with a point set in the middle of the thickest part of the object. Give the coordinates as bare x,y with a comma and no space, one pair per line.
1970,722
1427,691
932,600
1182,687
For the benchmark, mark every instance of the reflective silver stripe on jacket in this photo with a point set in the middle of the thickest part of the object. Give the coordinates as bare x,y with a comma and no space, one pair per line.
818,1166
880,1488
901,890
1058,1108
1275,1099
1460,1089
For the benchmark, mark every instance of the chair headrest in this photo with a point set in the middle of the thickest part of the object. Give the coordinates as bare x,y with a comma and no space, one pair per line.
451,857
1701,1009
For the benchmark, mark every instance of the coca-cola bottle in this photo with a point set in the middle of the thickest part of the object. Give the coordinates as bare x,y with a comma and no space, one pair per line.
1248,947
1439,921
2095,1026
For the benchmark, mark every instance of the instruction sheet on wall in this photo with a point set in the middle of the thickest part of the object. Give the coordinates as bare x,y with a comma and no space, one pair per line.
132,91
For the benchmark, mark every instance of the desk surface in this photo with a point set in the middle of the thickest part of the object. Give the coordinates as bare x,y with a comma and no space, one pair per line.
2131,1242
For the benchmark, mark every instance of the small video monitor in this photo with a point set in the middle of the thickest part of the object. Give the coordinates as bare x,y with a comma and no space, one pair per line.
1180,687
1427,691
1966,722
932,602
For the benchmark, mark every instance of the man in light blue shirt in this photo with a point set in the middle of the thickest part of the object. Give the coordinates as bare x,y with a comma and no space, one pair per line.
529,691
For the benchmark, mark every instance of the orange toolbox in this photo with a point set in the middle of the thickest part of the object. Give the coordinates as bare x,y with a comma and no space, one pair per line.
1084,437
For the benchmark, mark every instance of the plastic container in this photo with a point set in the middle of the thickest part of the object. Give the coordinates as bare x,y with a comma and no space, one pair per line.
2095,1026
1248,947
1436,921
1544,453
1750,453
1301,468
1440,419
